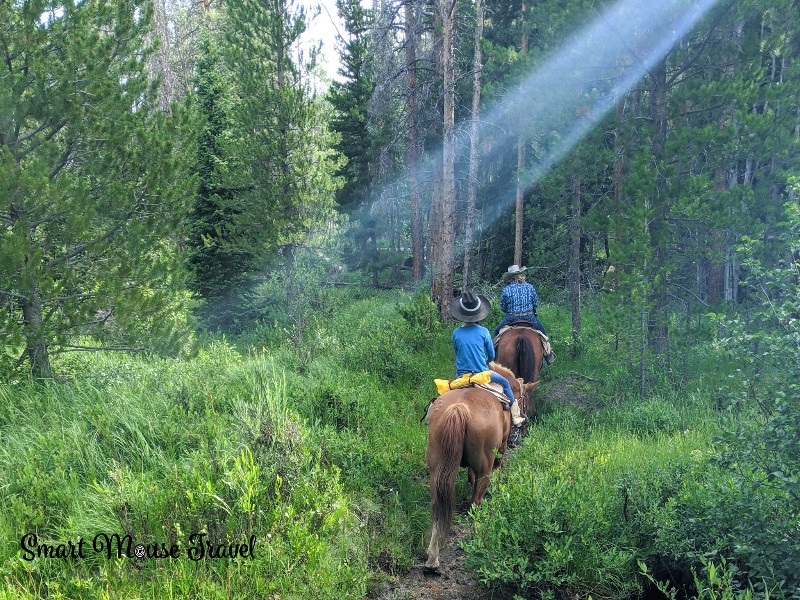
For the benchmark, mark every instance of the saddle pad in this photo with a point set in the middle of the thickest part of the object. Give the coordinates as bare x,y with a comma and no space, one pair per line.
494,388
497,390
519,325
445,385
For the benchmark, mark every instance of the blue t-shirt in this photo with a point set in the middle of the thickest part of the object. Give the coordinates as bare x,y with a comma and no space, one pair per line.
473,348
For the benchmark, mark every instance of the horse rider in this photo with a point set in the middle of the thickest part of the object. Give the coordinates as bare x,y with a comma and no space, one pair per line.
473,346
519,302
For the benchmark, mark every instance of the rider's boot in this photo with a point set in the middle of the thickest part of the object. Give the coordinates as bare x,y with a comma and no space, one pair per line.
516,418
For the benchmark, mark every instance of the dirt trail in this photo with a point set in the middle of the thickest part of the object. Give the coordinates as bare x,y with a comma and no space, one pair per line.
454,583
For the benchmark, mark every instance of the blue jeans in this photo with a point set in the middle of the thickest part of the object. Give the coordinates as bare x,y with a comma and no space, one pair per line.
532,319
497,378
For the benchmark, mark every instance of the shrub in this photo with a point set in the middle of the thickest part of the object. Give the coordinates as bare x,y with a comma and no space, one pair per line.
578,507
760,445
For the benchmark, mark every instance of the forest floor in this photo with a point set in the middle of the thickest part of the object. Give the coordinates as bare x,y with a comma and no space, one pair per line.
453,582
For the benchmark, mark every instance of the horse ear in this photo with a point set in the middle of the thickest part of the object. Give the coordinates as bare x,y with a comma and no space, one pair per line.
529,387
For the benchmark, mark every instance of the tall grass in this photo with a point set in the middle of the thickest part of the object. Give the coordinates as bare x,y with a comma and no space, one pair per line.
167,449
321,455
323,462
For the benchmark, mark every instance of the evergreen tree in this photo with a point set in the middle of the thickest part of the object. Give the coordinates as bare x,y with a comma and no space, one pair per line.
350,100
221,263
286,186
91,183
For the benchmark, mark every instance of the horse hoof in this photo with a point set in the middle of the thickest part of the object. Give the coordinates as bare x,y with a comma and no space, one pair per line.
431,571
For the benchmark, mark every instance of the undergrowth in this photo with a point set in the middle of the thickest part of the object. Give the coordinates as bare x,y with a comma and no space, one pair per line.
320,455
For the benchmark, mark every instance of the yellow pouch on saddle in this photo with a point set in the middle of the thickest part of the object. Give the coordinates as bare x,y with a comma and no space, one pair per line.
445,385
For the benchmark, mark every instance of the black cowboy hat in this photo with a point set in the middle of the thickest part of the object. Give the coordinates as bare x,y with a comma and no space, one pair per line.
470,307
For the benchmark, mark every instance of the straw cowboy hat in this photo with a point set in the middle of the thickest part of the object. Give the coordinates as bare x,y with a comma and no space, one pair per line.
512,271
470,307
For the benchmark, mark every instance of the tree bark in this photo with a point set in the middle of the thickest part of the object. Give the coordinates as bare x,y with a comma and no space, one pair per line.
161,28
447,256
477,66
658,231
36,350
519,203
413,149
520,196
575,255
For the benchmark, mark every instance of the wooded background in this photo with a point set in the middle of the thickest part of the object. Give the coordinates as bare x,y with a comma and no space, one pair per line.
225,279
162,159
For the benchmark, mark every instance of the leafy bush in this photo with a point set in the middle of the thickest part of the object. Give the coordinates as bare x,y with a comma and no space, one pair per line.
579,506
760,445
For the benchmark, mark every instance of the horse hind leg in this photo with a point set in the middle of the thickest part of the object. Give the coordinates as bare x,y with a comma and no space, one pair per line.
432,565
471,477
483,477
443,465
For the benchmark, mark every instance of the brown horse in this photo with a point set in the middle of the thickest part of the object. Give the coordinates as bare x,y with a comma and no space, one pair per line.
520,349
467,428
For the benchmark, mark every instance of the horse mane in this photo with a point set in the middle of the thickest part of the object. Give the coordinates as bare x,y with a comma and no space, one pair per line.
503,370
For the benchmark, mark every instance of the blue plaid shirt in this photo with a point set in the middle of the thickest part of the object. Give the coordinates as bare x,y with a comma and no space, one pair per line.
519,298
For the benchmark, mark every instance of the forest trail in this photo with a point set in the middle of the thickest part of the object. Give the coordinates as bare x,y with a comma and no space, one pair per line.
454,582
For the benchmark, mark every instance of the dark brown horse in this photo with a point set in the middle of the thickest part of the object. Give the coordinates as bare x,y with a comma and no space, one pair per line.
520,349
467,428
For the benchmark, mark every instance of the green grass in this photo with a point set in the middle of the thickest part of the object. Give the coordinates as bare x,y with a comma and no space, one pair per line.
320,454
169,449
321,460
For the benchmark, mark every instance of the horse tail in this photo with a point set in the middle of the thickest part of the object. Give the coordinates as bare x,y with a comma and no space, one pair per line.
526,359
443,480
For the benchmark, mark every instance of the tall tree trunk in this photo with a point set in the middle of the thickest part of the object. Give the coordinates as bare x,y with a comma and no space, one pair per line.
161,28
520,196
575,255
519,203
659,230
726,177
477,66
644,317
36,350
447,257
413,148
435,226
30,303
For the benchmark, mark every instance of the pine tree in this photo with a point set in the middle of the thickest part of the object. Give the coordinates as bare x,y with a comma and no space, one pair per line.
91,183
350,99
221,263
287,187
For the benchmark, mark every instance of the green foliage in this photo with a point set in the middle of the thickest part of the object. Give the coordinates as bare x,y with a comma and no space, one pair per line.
715,583
577,508
422,316
287,186
161,451
350,101
759,443
222,262
93,182
610,493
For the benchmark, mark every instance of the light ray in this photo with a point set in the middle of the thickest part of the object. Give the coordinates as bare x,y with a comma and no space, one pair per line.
581,80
